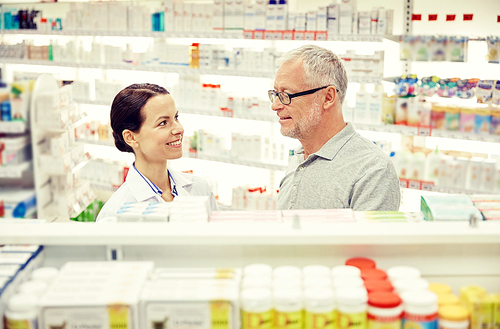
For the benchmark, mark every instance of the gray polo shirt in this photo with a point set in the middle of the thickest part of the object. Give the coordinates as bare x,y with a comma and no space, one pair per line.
349,171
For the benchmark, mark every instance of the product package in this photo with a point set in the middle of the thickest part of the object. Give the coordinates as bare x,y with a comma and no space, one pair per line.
482,121
448,208
467,119
438,46
484,91
456,50
493,55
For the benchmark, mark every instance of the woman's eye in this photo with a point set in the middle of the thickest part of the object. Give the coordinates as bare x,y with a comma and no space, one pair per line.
177,118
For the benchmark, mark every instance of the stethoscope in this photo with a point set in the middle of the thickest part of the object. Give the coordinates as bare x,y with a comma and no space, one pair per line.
155,188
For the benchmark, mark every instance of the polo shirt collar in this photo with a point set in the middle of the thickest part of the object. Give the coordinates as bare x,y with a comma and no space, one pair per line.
334,144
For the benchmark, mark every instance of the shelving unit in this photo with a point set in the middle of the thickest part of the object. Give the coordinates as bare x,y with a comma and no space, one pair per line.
13,127
15,171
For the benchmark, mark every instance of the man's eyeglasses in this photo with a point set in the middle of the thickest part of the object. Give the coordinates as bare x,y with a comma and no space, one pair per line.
286,98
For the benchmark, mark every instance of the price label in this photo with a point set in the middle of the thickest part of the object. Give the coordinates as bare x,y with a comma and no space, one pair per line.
424,131
403,183
450,17
322,35
433,17
298,35
248,34
310,35
259,35
416,17
468,17
414,184
288,35
269,35
427,186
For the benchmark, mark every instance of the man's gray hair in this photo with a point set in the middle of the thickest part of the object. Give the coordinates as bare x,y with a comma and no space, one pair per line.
322,67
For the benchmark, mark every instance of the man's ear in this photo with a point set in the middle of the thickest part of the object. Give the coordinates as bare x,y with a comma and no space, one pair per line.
331,98
129,138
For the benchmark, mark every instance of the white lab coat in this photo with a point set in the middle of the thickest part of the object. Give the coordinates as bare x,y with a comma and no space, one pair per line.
137,188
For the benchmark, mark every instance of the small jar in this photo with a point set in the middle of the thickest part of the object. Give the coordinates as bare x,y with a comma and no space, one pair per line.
440,288
373,274
256,282
453,317
448,299
287,283
320,309
256,308
22,312
315,271
420,308
33,287
345,271
347,283
403,272
317,282
385,310
378,285
288,309
351,308
46,274
287,271
361,262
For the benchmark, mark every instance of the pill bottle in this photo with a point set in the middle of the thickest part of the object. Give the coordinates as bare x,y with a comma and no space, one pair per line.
256,308
258,269
351,308
453,317
287,271
361,262
373,274
315,271
288,309
287,283
402,285
22,312
256,282
385,310
319,309
420,309
317,282
402,272
440,288
33,287
345,270
448,299
347,282
378,285
46,274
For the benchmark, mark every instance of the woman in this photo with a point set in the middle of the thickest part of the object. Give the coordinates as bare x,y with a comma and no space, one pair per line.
145,122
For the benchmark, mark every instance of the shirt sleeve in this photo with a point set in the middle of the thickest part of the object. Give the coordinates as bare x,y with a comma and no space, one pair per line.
377,189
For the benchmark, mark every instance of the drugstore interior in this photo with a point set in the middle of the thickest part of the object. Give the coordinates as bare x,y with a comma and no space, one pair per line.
423,86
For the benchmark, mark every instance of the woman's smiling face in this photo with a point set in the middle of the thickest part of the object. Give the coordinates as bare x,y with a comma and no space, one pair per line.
160,136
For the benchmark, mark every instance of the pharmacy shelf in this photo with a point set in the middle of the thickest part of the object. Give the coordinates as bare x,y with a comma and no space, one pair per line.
95,142
425,131
242,162
13,127
253,233
14,171
238,34
103,186
429,186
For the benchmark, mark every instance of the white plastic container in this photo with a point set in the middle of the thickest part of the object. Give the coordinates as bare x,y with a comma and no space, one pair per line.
22,312
315,271
256,282
288,308
453,317
385,310
317,282
347,283
319,308
351,308
345,271
256,307
46,274
417,284
258,269
287,283
36,288
287,271
420,308
432,166
403,272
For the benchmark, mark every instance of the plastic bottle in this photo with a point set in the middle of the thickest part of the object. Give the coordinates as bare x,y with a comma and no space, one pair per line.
347,282
402,285
194,56
375,105
378,285
417,166
315,271
373,274
288,308
351,308
385,310
256,309
403,272
345,270
432,166
256,282
259,269
317,282
448,299
22,312
361,107
33,287
420,309
319,309
453,317
287,271
361,262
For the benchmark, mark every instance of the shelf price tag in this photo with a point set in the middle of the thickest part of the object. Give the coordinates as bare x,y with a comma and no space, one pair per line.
424,131
450,17
468,17
433,17
403,183
310,35
414,184
299,35
416,17
321,35
269,35
427,186
258,35
288,35
248,34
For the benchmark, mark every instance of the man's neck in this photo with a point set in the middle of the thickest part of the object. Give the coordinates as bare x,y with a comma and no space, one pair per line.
315,142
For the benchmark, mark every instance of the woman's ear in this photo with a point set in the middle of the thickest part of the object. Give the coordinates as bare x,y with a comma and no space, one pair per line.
129,138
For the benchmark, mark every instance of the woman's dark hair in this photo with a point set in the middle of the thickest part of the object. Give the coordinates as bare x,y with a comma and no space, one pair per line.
126,110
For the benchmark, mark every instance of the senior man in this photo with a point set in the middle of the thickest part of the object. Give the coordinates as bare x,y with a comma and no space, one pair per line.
334,167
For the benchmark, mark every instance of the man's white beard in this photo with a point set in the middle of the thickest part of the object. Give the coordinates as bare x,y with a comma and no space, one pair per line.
305,125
